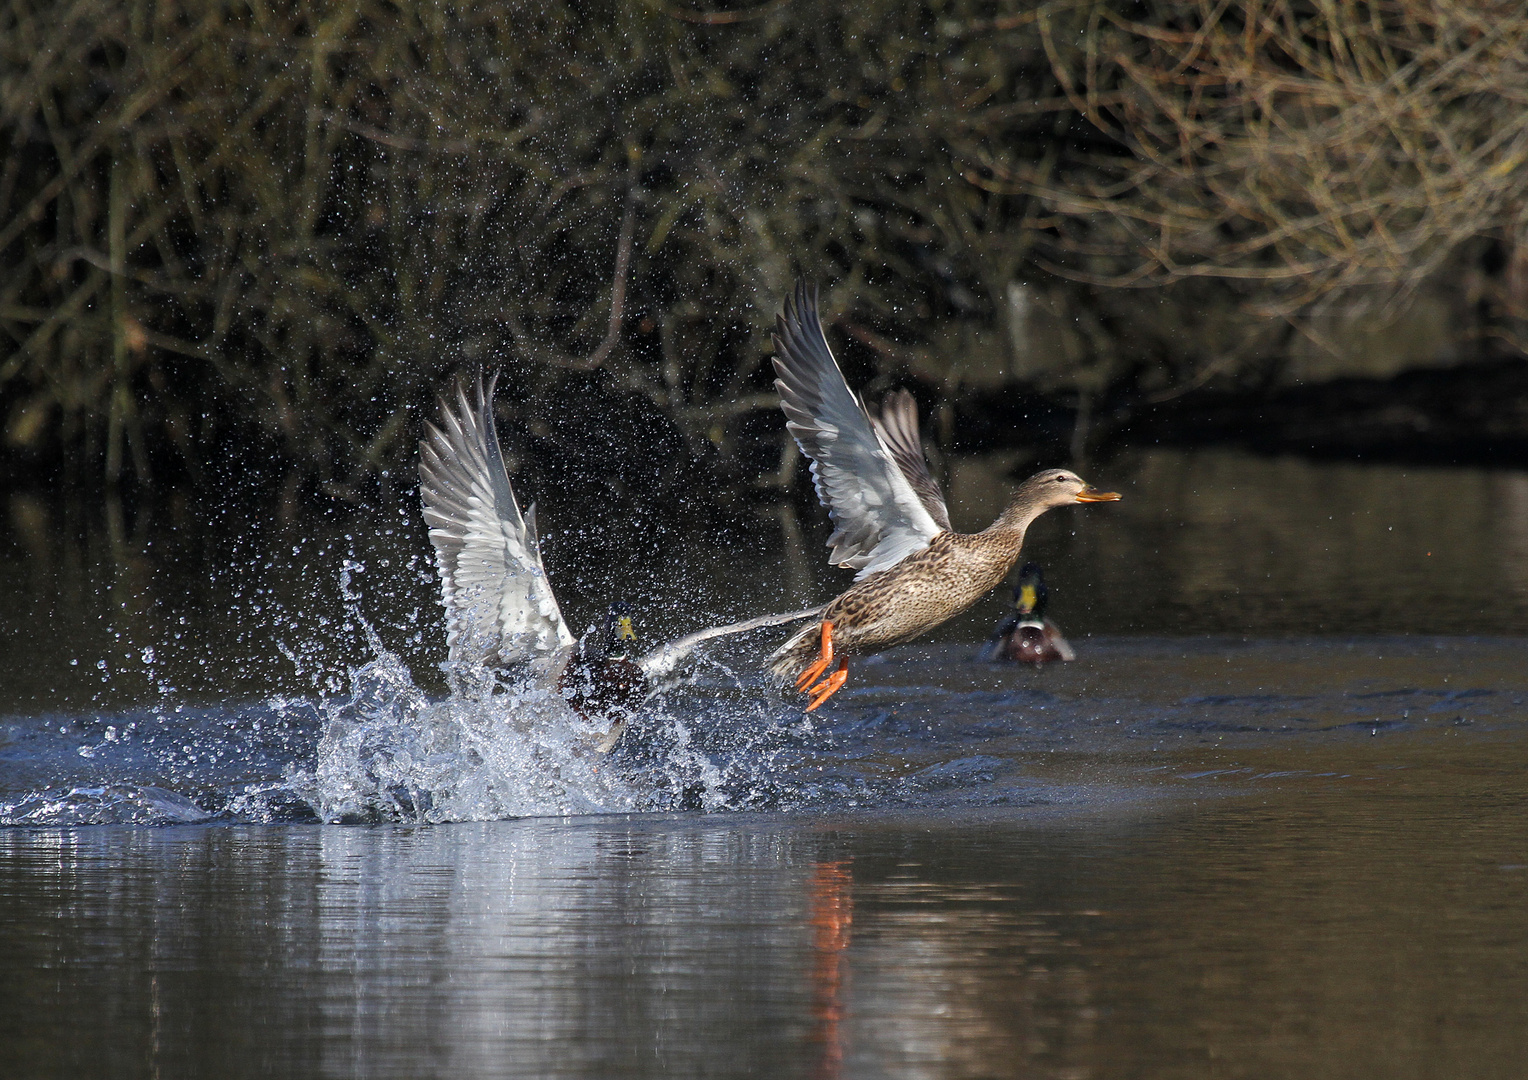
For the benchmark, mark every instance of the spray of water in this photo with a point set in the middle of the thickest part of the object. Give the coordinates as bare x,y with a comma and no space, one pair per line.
389,753
366,741
499,748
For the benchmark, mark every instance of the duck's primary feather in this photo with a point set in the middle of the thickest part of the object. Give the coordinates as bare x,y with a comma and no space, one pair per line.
879,518
898,428
500,608
662,660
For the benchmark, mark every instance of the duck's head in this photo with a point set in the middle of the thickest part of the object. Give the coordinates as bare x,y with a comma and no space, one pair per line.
1058,487
620,635
1029,595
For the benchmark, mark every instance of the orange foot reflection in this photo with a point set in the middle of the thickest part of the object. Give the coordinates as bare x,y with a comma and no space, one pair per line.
832,914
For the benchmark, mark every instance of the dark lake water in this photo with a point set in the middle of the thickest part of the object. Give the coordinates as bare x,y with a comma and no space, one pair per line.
1270,823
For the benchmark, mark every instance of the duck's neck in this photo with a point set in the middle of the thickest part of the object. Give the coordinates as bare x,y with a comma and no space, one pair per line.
1004,538
1015,521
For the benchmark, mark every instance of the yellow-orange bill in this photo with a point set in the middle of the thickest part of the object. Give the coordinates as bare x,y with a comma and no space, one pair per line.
1092,494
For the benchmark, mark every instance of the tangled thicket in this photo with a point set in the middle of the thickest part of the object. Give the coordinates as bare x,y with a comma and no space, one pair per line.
1311,147
281,224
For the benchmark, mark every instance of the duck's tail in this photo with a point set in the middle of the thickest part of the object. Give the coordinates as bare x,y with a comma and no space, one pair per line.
798,652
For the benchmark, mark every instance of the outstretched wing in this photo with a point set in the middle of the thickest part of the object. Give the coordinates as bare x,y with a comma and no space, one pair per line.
667,656
499,604
879,520
898,428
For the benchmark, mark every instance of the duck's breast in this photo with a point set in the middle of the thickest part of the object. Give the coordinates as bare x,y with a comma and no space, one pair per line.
919,593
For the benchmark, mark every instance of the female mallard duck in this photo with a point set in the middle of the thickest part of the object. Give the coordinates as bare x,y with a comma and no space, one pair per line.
1026,635
891,521
500,609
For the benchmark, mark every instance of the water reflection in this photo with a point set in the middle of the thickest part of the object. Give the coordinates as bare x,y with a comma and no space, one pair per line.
1513,500
832,918
1295,930
550,951
1222,542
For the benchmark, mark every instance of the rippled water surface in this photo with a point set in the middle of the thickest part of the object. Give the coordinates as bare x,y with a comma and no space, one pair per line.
1270,823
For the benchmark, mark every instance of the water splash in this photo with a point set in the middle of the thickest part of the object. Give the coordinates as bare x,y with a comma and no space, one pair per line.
926,730
370,745
389,753
136,804
499,748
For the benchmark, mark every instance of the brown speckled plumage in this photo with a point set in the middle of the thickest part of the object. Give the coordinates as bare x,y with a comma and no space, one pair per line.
890,519
896,605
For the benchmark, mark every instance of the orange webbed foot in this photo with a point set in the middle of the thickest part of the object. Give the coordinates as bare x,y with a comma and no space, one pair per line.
829,686
824,658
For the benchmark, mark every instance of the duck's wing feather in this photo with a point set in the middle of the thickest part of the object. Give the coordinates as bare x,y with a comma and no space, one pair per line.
662,660
898,428
500,608
879,519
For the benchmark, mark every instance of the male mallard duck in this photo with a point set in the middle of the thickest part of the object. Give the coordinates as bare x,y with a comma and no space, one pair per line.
500,609
1026,635
603,677
891,521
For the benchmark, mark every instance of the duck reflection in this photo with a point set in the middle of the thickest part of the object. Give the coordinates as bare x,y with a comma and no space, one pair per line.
524,948
624,950
832,917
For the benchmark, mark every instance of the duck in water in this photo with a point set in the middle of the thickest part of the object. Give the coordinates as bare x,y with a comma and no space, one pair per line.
1026,635
603,678
891,522
501,613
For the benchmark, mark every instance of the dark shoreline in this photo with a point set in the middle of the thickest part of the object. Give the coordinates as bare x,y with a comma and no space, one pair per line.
1474,414
1471,415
